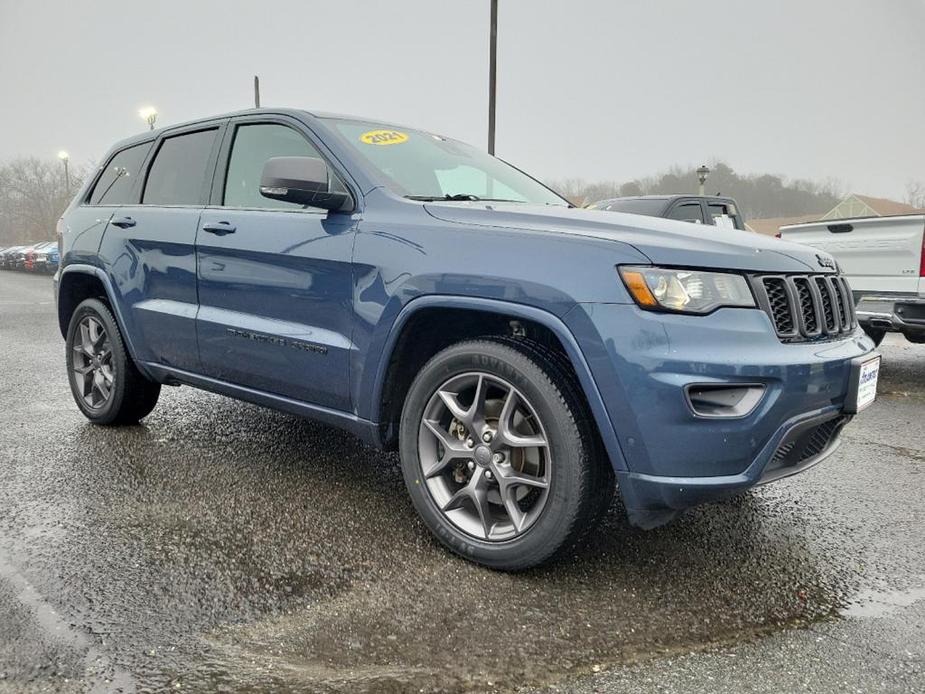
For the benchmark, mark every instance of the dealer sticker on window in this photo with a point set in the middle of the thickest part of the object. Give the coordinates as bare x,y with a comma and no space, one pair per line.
867,383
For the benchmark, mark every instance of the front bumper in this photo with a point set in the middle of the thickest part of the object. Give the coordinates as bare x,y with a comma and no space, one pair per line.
670,458
903,313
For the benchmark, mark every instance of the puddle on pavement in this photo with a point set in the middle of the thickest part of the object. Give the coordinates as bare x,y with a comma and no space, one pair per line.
872,603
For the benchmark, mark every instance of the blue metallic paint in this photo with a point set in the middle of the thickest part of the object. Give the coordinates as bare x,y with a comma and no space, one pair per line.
350,283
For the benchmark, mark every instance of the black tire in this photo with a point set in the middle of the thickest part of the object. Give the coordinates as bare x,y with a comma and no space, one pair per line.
580,478
876,335
130,396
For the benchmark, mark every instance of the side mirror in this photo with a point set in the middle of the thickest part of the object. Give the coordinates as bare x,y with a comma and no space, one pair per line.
302,180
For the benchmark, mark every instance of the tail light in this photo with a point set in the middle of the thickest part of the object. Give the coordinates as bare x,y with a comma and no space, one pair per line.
777,235
922,259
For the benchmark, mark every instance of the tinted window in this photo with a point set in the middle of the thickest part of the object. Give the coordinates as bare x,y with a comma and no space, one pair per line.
650,207
724,215
253,145
688,212
116,182
177,175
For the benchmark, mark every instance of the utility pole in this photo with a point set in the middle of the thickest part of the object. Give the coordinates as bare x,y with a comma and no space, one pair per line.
64,157
256,91
492,75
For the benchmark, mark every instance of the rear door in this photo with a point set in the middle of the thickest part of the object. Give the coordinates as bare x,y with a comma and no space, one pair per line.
275,278
149,247
878,254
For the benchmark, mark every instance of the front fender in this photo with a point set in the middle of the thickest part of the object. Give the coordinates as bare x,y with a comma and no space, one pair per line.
373,378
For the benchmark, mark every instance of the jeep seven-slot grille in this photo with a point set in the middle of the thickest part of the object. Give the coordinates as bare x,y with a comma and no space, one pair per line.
806,307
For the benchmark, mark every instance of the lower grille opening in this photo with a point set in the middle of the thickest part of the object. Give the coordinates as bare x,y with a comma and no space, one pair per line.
805,443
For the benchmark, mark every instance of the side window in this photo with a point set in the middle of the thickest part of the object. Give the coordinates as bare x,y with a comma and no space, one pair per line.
115,184
177,175
687,212
724,215
253,146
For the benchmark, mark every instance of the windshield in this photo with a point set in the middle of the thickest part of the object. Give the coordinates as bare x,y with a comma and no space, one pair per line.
424,166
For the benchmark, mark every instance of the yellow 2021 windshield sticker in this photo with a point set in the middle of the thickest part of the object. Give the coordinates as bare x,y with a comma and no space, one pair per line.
383,137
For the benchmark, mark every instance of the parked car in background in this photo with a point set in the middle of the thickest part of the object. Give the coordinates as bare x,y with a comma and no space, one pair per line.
18,260
699,209
7,256
44,257
884,259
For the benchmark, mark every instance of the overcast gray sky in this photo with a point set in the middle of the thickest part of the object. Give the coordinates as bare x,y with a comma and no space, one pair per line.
599,89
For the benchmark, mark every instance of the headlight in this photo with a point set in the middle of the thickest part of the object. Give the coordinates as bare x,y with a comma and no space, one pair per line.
685,291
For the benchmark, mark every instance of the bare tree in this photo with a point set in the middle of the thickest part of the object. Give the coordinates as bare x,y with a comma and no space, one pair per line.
759,195
915,194
33,194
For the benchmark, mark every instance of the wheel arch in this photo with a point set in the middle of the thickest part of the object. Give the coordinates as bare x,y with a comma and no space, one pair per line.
387,396
78,282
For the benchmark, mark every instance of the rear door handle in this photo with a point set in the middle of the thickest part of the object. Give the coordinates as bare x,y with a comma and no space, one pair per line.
123,222
219,228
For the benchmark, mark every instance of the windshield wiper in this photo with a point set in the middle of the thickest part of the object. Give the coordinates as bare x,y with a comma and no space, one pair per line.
434,198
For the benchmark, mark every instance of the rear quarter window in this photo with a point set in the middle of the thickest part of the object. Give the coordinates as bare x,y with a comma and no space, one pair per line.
116,184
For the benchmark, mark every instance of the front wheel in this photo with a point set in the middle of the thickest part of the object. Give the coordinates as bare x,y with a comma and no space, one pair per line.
499,455
105,383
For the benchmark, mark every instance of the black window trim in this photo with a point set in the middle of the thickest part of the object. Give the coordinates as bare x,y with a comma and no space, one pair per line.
687,201
217,194
217,125
136,195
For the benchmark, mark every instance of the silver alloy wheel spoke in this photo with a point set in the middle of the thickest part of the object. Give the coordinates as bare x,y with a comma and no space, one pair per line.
93,368
480,441
505,435
453,449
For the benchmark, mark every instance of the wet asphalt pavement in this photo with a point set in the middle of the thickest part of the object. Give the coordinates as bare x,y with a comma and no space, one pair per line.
223,546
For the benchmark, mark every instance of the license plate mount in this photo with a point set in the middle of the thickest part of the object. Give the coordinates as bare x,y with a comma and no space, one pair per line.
862,386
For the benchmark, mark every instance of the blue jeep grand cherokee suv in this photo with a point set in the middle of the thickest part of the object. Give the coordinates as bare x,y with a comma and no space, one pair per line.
526,358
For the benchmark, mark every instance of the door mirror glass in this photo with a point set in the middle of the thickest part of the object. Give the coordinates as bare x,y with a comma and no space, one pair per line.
302,180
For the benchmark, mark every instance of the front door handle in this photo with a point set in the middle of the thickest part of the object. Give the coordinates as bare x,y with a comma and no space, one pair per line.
123,222
219,228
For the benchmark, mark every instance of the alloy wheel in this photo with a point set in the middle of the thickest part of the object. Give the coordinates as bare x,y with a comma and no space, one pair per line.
93,367
485,456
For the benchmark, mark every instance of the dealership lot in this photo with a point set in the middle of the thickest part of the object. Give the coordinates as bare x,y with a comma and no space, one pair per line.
220,545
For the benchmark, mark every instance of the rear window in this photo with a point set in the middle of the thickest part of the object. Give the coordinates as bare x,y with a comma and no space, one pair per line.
725,216
178,174
115,185
652,208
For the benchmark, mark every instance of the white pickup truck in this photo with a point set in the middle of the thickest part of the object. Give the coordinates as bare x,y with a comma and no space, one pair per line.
884,259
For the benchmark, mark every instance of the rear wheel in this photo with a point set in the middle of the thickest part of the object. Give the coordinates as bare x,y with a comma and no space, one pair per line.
105,383
499,456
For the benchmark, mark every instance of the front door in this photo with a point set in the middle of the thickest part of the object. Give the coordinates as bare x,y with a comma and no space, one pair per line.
275,279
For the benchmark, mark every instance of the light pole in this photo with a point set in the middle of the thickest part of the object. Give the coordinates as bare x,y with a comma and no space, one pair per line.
702,174
64,157
149,114
492,74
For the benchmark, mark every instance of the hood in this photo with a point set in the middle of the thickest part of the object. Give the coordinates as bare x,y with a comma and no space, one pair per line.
663,241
